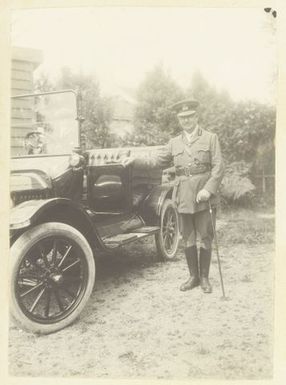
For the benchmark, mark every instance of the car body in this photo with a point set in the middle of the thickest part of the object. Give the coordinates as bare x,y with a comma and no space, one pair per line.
69,205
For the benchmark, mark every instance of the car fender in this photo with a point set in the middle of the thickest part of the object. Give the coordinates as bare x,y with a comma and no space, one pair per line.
153,203
33,212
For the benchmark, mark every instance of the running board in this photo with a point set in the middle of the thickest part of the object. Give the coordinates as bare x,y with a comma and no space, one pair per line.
123,239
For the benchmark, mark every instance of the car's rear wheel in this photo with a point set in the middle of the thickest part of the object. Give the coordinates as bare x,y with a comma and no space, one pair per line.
167,239
52,277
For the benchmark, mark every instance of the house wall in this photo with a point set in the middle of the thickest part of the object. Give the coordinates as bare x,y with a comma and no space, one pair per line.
24,63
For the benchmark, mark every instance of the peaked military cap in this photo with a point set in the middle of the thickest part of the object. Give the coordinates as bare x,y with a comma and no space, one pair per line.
185,107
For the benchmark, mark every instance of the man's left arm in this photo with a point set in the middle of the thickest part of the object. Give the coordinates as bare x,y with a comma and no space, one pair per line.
217,171
217,167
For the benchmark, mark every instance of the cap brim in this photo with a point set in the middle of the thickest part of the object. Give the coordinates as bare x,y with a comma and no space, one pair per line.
185,113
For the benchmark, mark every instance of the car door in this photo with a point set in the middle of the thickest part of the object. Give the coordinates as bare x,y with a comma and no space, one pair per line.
108,185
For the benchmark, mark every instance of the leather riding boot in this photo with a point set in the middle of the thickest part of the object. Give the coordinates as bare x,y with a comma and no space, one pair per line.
191,254
205,260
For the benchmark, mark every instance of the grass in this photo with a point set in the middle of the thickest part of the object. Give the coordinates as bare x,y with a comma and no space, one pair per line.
246,226
246,278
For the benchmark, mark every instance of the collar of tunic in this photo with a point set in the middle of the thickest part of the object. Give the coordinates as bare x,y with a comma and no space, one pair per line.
191,136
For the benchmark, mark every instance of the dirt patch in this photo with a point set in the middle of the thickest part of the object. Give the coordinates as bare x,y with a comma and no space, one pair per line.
138,324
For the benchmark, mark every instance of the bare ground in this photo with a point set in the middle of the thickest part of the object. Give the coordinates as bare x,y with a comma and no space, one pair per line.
138,324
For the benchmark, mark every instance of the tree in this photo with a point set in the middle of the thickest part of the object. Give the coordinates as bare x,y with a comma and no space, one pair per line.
214,105
249,132
43,83
96,109
154,121
246,131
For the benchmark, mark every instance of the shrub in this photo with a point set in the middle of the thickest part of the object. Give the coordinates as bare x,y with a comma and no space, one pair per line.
236,186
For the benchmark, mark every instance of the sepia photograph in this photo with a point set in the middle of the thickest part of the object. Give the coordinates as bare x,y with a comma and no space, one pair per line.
142,192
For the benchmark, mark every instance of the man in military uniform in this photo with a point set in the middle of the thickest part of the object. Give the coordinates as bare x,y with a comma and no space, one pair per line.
199,169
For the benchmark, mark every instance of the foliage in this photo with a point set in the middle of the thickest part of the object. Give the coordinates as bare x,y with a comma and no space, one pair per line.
43,83
96,109
154,121
236,185
246,129
214,106
248,133
246,226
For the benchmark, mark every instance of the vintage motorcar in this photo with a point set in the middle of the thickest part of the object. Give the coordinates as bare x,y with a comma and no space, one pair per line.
69,205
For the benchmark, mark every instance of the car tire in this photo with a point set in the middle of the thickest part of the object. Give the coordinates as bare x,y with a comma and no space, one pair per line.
52,277
167,240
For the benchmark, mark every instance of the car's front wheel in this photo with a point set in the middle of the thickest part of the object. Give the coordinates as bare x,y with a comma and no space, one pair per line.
167,239
52,277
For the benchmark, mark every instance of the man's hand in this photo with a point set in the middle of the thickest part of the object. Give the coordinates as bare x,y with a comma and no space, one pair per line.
203,195
127,161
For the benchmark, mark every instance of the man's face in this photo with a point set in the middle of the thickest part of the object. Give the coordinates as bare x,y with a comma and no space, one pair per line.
188,122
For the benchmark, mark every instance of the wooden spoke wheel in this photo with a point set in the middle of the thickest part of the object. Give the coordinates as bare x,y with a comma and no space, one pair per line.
167,239
52,277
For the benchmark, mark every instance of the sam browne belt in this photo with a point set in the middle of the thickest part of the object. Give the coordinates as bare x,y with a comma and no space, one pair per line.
191,170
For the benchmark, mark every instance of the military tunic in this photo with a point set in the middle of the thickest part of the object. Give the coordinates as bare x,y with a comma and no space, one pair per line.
198,165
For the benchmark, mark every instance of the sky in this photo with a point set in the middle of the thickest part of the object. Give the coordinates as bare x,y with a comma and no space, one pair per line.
234,49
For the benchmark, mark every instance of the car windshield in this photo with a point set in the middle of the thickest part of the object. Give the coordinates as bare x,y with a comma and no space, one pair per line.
44,124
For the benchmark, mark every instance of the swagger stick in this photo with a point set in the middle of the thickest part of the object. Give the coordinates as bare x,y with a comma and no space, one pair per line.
217,251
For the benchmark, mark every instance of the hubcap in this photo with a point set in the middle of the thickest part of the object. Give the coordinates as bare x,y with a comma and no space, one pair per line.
57,278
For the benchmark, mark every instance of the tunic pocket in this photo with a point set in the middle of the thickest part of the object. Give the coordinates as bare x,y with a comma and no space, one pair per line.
202,155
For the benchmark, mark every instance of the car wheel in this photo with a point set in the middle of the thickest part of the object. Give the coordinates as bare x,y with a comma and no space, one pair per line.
52,277
167,239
